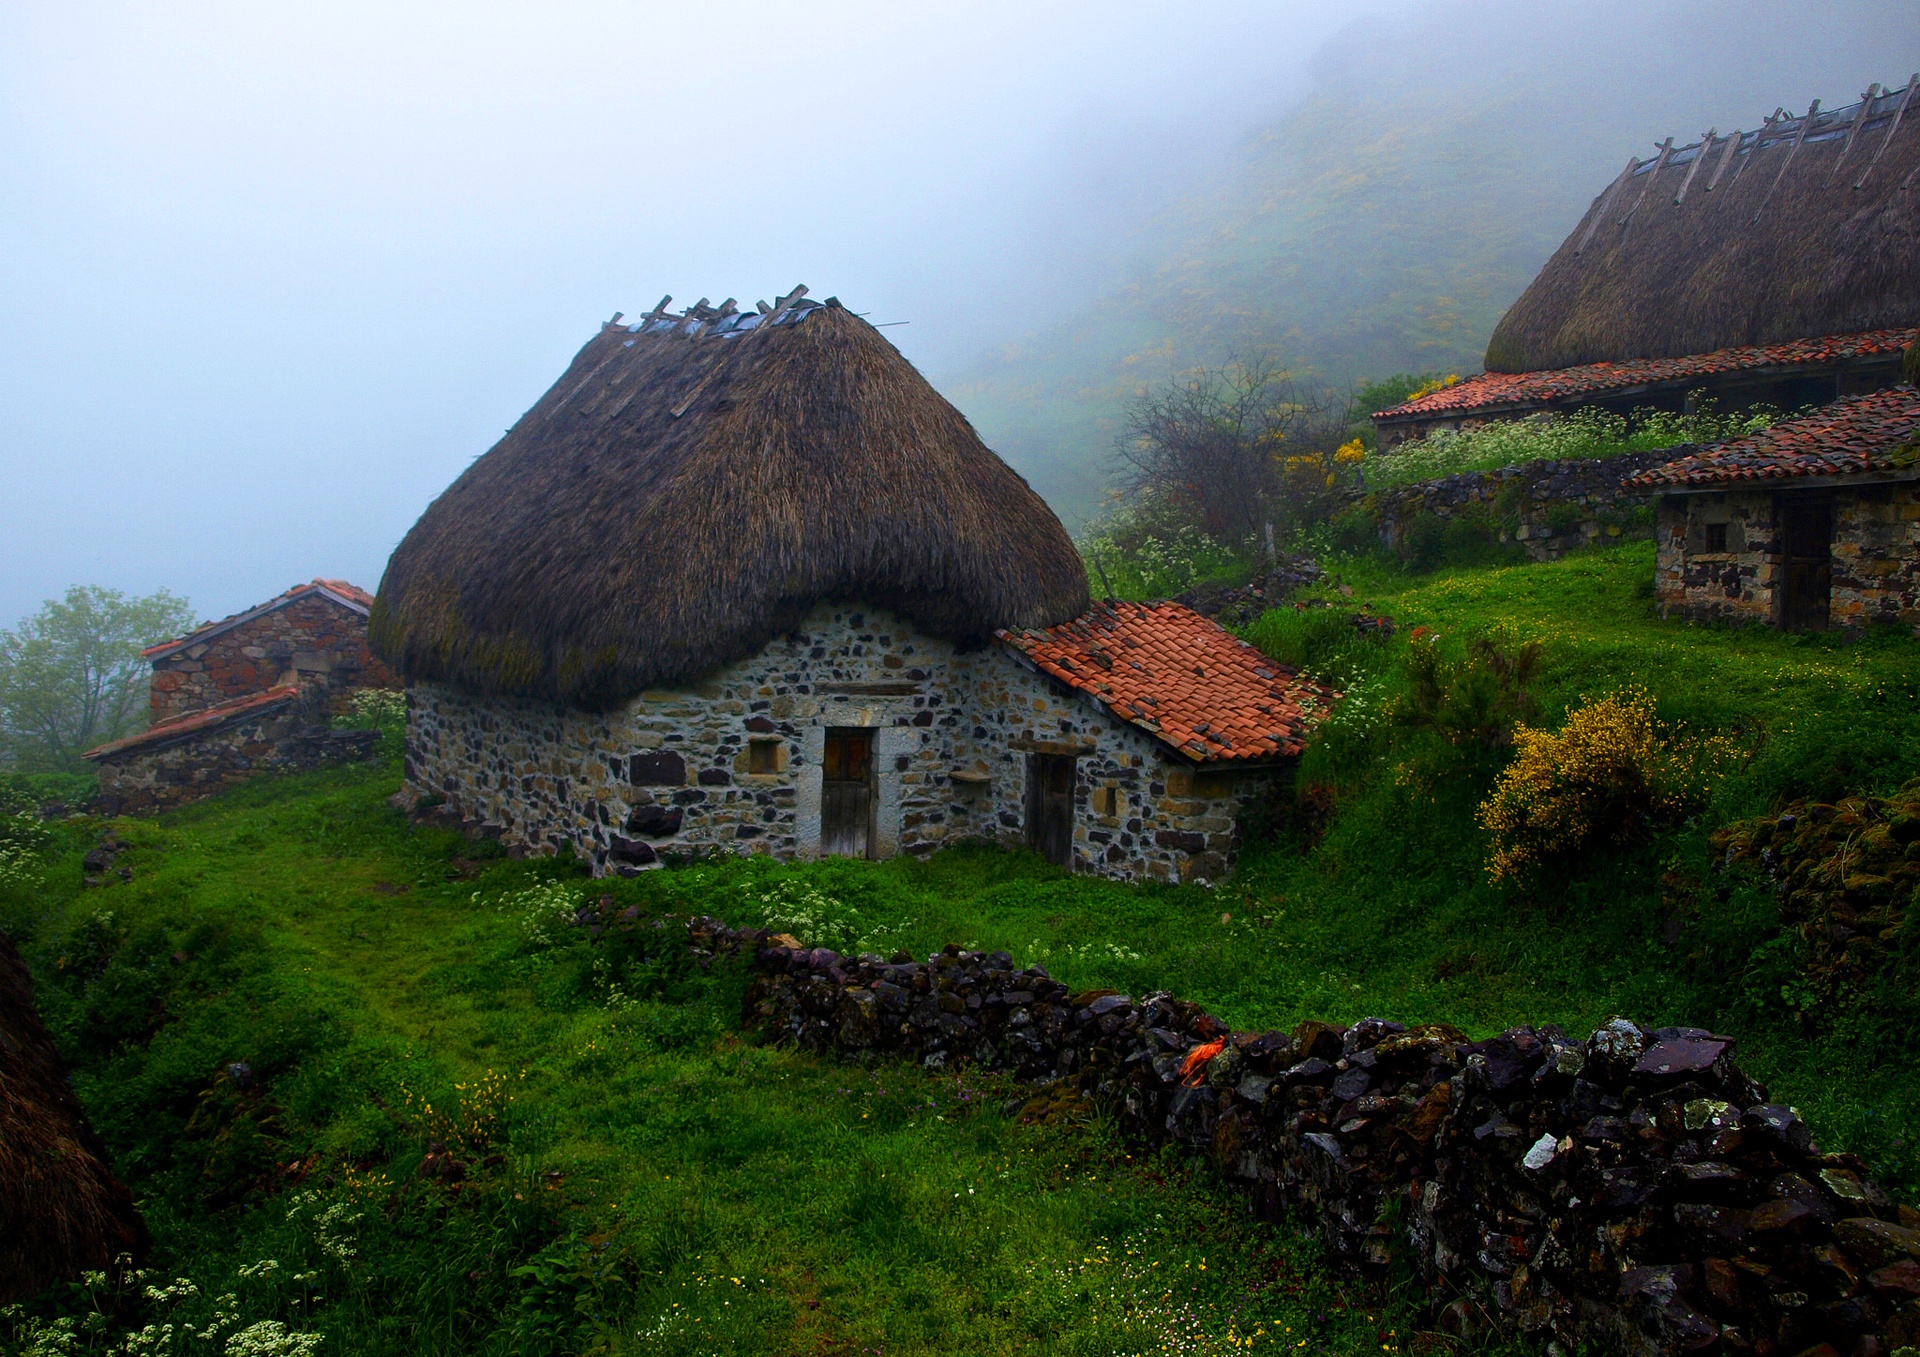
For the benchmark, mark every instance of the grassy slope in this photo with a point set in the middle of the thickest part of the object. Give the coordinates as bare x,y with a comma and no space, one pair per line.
716,1195
903,1206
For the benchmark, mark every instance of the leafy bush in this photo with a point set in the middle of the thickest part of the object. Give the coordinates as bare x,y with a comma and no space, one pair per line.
1140,552
23,840
1610,775
1474,702
1584,434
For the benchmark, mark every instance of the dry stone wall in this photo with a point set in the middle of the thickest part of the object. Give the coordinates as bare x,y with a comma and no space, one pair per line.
1635,1188
671,773
312,641
147,779
1548,508
1876,555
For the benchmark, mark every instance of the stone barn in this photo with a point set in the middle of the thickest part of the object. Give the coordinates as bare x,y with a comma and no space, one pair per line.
1777,266
250,693
1811,524
744,582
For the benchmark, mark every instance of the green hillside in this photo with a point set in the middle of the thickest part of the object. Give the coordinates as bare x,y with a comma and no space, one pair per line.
639,1173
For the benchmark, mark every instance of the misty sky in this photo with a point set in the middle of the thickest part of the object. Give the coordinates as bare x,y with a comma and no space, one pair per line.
272,274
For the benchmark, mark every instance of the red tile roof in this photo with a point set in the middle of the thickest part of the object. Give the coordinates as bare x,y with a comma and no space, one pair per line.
1878,432
1168,670
1492,390
352,595
197,722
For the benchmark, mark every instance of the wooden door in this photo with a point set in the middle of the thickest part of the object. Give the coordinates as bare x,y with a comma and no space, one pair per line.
846,792
1806,563
1050,806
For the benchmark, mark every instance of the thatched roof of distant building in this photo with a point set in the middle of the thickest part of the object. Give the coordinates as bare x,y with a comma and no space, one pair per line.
62,1210
1808,226
691,487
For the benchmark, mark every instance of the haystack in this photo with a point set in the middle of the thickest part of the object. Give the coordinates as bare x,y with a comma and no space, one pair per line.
690,488
1808,226
61,1208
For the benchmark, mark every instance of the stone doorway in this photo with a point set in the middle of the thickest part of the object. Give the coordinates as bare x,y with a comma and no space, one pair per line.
1806,563
1050,807
846,793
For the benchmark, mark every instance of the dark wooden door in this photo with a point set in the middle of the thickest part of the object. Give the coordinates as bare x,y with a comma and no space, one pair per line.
1806,564
846,792
1050,806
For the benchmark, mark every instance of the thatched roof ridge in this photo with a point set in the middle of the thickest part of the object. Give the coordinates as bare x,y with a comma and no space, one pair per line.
1808,226
62,1210
690,488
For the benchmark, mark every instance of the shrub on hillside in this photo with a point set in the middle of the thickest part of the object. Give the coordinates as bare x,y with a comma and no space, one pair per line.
1610,775
1475,701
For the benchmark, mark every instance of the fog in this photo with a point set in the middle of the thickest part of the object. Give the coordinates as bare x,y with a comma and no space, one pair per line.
271,275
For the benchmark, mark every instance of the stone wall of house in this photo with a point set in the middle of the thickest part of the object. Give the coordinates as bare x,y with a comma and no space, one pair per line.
312,641
1549,508
145,780
1876,555
670,773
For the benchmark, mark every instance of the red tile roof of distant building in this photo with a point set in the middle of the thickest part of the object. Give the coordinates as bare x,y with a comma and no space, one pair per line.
1493,390
1168,670
194,722
350,594
1878,432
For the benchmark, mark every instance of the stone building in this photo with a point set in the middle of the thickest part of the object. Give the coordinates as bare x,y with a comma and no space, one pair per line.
744,582
1774,266
1811,524
247,694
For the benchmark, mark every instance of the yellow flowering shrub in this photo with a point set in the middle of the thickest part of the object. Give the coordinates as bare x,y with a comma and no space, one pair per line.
1353,450
1611,774
1437,384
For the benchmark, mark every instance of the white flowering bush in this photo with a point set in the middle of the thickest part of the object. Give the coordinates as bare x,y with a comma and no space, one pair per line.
24,841
546,910
1584,434
817,919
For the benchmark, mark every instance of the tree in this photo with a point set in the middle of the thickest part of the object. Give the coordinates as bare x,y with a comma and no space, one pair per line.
71,677
1217,445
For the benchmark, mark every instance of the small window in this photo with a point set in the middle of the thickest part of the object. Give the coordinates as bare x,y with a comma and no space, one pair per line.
763,756
1716,537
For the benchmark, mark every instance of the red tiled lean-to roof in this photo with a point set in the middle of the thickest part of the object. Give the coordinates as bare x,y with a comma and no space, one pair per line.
352,595
195,722
1168,670
1855,436
1492,390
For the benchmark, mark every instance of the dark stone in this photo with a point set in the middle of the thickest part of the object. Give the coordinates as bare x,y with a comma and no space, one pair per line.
661,769
1181,840
1877,1243
715,777
1351,1085
1680,1056
760,725
637,852
657,822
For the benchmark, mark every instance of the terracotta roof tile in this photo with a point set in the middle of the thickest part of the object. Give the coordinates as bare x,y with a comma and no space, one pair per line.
196,722
1492,390
1186,679
1873,433
350,594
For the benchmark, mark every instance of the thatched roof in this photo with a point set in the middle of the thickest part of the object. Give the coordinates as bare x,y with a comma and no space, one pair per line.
690,488
61,1208
1809,226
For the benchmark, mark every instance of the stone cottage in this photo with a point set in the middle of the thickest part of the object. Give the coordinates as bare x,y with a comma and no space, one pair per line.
1775,266
744,582
249,693
1810,524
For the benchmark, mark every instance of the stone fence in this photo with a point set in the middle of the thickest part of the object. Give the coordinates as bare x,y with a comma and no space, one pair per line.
1635,1188
1549,508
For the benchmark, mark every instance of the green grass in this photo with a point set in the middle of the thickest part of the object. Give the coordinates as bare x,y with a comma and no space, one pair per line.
365,970
665,1182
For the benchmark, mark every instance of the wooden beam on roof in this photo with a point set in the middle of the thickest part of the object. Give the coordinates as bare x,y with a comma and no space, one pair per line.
1606,200
1853,128
1806,125
1666,149
1906,101
1706,145
1759,138
659,310
1726,158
